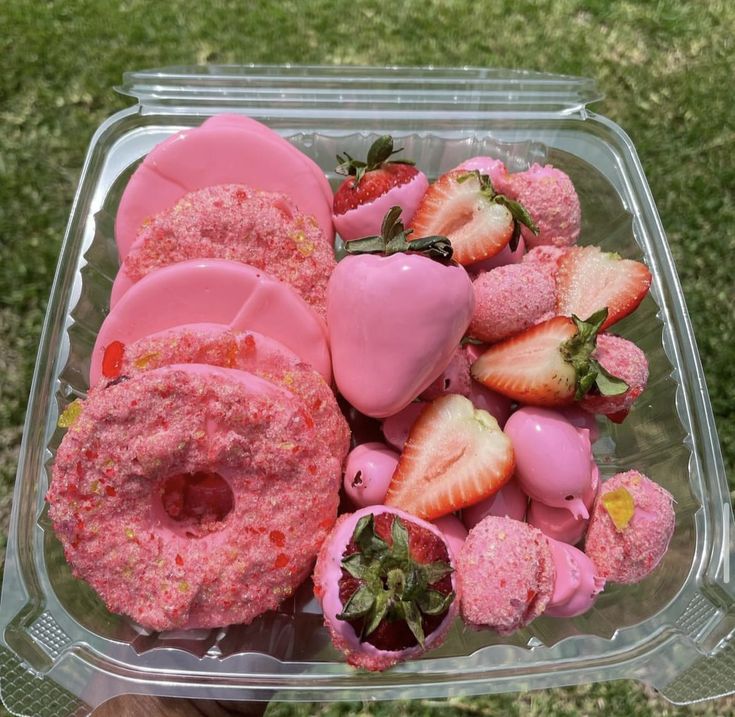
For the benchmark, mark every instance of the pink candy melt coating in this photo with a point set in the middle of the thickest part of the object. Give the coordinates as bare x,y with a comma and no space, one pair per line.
576,585
493,168
454,379
510,501
368,473
506,575
553,458
224,152
629,555
397,427
215,291
263,229
510,299
490,401
327,573
549,197
453,531
108,476
504,257
366,219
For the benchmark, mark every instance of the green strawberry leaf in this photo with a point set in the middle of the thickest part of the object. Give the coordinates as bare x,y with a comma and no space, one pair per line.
378,612
518,211
434,572
359,604
400,539
412,616
607,384
435,603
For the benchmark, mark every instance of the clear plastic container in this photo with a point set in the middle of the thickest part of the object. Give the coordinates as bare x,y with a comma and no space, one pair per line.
63,653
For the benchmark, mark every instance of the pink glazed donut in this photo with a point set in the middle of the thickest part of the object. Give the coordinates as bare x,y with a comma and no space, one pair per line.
168,496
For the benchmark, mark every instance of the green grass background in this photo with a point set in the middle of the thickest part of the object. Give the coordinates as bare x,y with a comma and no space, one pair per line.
666,68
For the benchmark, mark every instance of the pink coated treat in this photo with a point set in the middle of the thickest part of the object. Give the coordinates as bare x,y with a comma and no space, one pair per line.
214,291
581,419
553,458
629,548
453,531
488,400
506,575
231,221
509,300
366,219
220,152
546,258
159,488
621,358
576,585
368,471
510,501
327,575
504,257
217,345
376,367
397,427
549,197
454,379
489,166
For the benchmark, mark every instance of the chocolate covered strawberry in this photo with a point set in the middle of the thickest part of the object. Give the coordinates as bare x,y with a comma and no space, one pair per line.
396,312
464,206
455,456
550,364
373,187
386,585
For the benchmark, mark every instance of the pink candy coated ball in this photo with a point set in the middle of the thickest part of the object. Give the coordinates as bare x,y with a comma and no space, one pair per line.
368,473
496,405
577,583
510,501
553,458
397,427
453,531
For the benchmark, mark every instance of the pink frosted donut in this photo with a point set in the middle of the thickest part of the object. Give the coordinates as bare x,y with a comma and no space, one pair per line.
549,197
506,575
510,299
216,345
231,221
167,496
621,358
629,551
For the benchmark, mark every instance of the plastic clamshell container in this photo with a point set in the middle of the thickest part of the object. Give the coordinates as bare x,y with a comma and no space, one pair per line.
62,653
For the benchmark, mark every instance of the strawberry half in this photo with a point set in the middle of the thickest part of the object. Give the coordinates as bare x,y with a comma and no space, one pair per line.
366,181
549,364
590,279
455,456
463,206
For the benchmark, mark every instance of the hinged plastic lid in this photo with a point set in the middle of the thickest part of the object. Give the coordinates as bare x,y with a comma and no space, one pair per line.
280,90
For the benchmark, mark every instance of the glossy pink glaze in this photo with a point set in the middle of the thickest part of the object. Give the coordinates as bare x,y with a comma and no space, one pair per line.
577,583
510,501
453,531
368,472
553,458
581,419
504,257
367,219
373,304
397,427
225,152
493,168
215,291
490,401
455,378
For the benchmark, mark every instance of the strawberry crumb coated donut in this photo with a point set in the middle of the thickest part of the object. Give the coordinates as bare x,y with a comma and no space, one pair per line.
506,575
217,345
630,528
387,588
167,496
509,300
235,222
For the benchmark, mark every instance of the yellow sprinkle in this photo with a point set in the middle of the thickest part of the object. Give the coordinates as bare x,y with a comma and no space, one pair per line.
95,486
129,533
145,360
304,246
620,507
183,586
70,414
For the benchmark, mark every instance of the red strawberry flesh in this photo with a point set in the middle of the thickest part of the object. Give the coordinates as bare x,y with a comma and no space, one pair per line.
373,184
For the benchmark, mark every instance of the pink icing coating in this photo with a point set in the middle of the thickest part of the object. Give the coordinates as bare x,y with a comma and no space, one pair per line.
509,501
553,458
366,219
368,473
327,574
577,583
397,427
455,378
493,168
219,153
375,368
581,419
215,291
453,531
503,258
490,401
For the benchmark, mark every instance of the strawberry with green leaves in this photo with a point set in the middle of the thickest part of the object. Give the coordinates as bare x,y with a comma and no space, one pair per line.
374,186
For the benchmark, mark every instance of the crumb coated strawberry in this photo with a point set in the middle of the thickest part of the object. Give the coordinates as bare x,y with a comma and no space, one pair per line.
621,358
455,456
590,279
546,258
549,197
510,299
630,528
386,584
506,575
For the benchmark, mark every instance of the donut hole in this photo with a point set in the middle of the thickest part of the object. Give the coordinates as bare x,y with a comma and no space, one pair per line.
197,499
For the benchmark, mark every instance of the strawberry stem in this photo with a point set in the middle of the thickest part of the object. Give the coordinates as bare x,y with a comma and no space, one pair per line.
380,153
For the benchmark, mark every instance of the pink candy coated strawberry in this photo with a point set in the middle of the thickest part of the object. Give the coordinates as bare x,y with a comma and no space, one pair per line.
396,313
